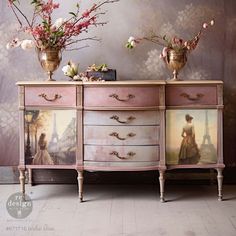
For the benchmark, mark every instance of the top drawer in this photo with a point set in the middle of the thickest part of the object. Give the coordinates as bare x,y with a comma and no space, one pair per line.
55,96
191,95
121,96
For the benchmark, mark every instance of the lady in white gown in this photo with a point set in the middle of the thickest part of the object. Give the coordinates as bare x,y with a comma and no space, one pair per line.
42,157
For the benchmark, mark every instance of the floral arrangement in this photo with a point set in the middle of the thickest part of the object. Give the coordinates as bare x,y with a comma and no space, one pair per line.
94,67
177,44
72,71
60,34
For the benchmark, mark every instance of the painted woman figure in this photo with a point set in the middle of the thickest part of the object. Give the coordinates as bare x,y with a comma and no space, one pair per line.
189,152
42,157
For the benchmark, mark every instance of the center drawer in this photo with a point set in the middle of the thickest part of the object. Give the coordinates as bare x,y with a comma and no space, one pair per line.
116,96
121,118
121,153
121,135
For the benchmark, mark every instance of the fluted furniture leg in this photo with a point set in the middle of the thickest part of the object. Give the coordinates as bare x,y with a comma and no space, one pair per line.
220,183
30,174
22,182
162,184
80,183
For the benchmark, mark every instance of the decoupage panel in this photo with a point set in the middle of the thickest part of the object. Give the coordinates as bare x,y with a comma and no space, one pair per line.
50,137
191,137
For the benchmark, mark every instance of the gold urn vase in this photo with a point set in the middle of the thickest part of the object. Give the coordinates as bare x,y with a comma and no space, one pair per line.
49,59
176,60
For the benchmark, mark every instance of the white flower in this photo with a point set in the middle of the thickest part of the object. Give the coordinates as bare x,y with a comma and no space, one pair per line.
212,22
76,77
71,69
132,42
65,69
58,23
27,44
131,39
13,44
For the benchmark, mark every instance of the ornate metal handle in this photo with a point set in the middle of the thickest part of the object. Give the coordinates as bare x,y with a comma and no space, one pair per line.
117,118
129,96
56,96
114,134
129,154
189,97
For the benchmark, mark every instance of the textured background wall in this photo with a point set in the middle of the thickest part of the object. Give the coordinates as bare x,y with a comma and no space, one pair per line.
214,58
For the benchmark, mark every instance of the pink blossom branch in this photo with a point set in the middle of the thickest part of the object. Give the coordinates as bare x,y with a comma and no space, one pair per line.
23,15
79,40
75,49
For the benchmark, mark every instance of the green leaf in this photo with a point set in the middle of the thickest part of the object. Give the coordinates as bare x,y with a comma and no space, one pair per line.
72,13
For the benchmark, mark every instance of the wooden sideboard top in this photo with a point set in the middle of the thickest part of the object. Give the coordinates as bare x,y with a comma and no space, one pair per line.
120,82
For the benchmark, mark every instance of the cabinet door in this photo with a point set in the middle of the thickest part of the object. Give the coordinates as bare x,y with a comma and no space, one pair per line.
50,137
191,137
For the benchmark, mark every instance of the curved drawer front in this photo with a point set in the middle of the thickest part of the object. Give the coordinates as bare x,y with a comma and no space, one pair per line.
121,96
121,153
121,118
121,135
191,95
50,96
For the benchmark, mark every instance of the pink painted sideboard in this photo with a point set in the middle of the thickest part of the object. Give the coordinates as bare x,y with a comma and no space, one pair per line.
121,126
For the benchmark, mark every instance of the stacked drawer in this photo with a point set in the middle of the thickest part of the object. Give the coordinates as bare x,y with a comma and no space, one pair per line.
118,131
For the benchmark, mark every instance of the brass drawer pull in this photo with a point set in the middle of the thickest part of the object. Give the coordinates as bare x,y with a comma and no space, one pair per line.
189,97
56,96
114,134
129,96
129,155
117,118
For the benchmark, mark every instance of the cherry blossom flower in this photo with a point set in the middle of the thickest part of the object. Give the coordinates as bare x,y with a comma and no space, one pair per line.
61,34
176,43
14,43
27,44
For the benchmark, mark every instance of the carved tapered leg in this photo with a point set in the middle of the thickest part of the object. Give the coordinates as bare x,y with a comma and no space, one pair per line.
162,184
22,183
220,183
30,176
80,183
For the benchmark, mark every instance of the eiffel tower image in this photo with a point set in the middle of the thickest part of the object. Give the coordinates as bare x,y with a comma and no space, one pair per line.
207,150
53,144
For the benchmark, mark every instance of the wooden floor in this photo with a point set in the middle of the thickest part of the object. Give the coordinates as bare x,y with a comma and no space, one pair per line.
122,210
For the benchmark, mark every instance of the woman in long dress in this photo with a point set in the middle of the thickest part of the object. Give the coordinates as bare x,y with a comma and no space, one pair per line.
42,157
189,152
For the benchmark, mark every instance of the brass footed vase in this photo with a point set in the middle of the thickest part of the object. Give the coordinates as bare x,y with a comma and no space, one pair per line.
49,59
175,61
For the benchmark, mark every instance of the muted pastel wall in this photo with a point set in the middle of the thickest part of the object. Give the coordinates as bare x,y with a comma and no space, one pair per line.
214,58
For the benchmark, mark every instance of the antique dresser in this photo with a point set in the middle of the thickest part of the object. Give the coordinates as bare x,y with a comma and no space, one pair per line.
121,126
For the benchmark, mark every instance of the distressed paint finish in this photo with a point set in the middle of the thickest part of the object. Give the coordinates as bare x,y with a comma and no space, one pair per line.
104,153
121,118
102,135
117,144
142,96
121,166
68,96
